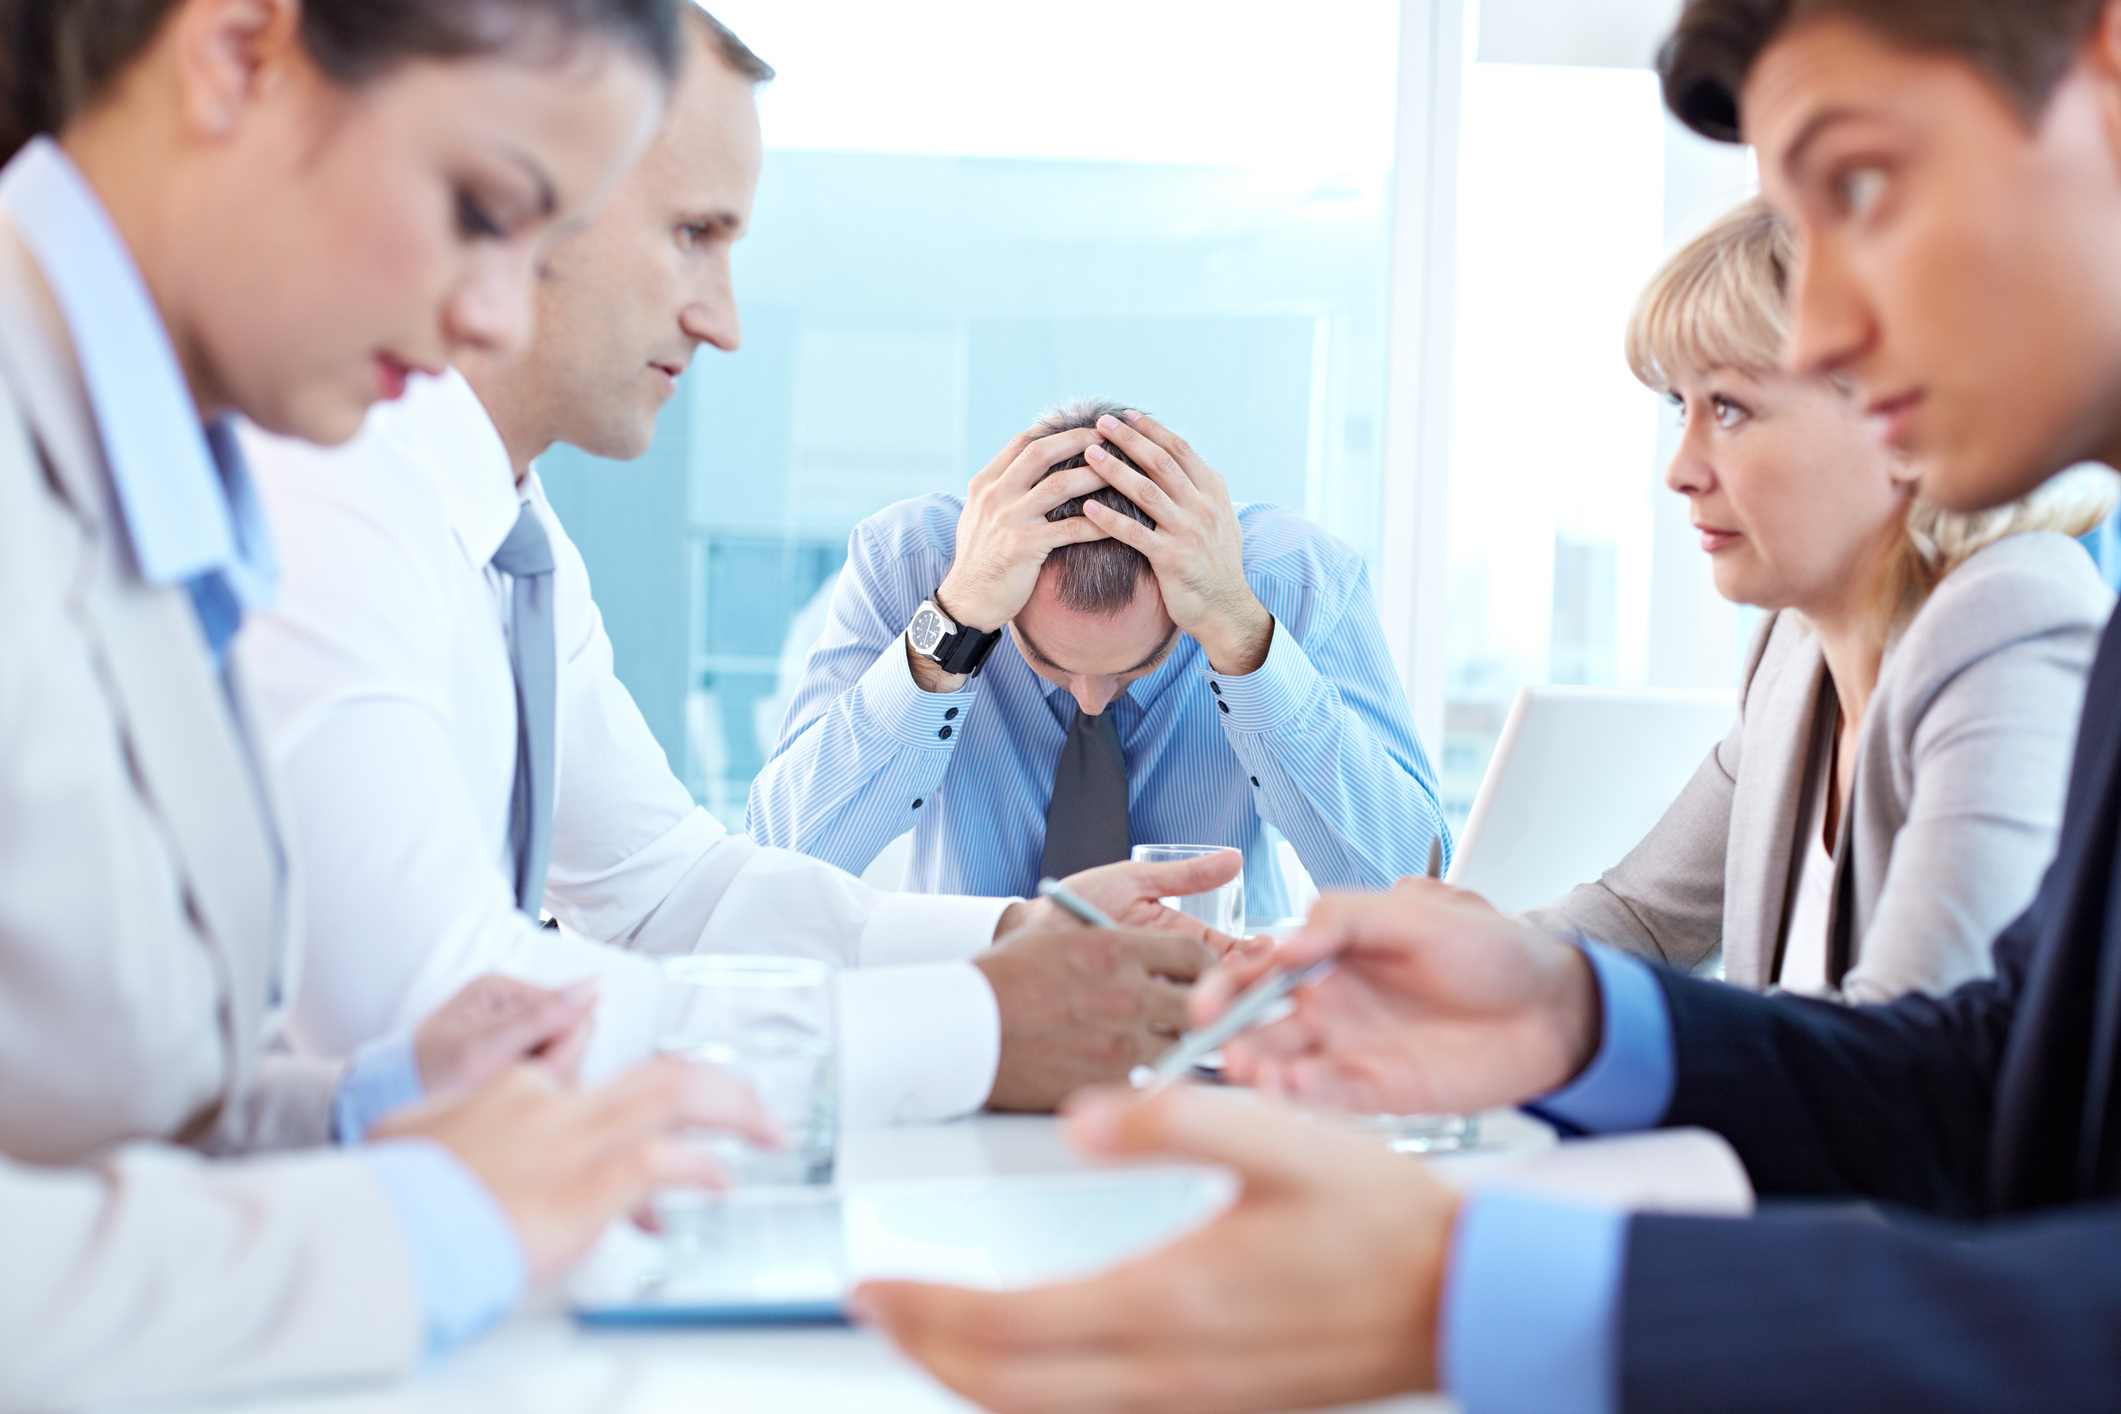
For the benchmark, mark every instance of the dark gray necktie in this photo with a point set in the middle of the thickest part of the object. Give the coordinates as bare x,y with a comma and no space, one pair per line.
1086,822
526,557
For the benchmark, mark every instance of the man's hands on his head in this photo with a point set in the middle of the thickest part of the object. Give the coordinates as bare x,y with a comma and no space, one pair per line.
1132,894
1438,1004
1083,1006
496,1021
1003,536
563,1162
1320,1286
1197,548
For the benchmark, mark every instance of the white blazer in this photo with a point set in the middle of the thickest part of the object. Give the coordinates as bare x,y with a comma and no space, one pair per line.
143,935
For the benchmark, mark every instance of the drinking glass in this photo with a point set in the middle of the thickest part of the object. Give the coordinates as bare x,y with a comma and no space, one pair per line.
1423,1134
1222,909
770,1021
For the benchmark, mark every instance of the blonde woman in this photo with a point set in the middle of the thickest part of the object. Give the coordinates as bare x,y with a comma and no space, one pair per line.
1893,787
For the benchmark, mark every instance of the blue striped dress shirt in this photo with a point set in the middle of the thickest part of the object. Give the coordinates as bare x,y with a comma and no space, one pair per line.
1318,742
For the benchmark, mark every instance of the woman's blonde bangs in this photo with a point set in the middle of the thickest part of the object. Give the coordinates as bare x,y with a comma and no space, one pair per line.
1718,303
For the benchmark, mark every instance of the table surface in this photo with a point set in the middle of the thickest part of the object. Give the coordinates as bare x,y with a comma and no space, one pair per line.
541,1362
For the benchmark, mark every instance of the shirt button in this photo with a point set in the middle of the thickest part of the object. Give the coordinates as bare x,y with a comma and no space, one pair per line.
1216,688
950,715
1255,781
945,732
1224,705
917,804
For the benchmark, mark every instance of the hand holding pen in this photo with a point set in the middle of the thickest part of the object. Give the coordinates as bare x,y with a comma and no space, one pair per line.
1262,1001
1437,1004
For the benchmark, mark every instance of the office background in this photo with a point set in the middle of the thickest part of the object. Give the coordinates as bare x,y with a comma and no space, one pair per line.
1376,266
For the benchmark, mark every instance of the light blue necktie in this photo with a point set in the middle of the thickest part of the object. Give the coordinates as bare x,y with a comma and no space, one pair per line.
526,557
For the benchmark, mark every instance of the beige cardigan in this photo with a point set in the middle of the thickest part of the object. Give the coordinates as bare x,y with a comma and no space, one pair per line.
143,937
1959,776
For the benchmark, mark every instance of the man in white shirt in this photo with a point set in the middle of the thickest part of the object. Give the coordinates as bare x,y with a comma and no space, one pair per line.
387,683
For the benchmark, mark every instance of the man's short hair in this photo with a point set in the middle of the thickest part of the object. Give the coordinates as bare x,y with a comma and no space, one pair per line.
2023,47
735,53
1095,576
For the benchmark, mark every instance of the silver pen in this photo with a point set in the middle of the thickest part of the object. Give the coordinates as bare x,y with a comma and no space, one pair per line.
1075,903
1249,1010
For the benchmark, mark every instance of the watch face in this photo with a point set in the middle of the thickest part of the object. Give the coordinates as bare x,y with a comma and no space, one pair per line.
927,630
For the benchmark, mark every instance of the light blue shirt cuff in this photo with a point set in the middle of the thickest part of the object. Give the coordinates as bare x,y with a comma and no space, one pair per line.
1271,695
383,1075
1628,1084
465,1254
892,702
1531,1307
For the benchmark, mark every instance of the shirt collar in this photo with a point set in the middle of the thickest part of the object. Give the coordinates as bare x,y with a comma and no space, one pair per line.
185,494
441,425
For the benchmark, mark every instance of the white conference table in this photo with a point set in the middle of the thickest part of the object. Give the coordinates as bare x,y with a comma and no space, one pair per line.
541,1362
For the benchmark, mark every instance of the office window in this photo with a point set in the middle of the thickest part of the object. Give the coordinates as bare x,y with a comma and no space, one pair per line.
969,212
1569,561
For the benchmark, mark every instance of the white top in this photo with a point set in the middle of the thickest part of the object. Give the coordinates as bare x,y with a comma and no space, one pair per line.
387,693
1804,952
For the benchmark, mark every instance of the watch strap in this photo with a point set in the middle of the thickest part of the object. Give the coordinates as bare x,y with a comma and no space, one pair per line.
965,651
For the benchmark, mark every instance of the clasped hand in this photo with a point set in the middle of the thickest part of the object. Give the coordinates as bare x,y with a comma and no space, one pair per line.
1197,549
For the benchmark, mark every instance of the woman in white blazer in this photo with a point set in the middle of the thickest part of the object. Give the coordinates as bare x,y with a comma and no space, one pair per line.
256,207
1893,787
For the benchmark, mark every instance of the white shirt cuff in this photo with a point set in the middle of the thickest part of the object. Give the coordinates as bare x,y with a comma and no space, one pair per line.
907,928
917,1044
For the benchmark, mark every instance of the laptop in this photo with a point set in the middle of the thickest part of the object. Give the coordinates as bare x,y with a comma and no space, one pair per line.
1578,778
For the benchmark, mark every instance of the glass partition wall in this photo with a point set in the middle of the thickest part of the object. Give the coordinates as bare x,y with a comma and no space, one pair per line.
971,211
1569,560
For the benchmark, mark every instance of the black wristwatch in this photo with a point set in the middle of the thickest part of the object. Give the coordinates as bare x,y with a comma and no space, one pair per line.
936,636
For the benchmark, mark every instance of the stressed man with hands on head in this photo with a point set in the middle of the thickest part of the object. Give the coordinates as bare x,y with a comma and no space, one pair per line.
1097,647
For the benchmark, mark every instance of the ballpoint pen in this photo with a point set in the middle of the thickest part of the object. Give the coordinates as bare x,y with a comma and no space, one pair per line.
1076,904
1248,1010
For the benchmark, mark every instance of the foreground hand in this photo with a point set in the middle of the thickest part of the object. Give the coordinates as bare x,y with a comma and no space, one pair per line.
1439,1004
496,1021
563,1162
1132,896
1197,548
1320,1286
1003,536
1083,1007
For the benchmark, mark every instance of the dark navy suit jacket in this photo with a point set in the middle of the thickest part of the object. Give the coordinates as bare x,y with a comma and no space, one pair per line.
1985,1126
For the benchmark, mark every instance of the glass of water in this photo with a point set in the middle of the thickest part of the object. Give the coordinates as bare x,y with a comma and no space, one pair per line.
1222,909
770,1021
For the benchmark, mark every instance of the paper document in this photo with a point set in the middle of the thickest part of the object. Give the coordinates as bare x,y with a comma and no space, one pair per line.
1664,1171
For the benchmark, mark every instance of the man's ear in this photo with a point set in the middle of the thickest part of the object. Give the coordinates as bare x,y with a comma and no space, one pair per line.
2102,57
230,53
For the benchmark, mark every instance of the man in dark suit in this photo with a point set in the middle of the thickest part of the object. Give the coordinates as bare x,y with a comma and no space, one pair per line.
1953,168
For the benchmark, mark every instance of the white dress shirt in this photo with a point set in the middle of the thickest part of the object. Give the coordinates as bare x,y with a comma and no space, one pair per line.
385,679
